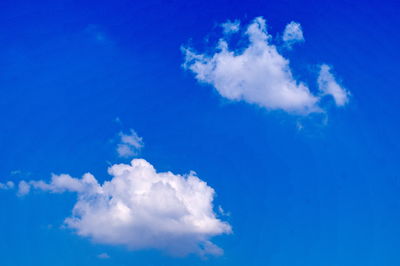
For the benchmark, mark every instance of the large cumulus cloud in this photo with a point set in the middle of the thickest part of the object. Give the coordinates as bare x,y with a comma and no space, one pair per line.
140,208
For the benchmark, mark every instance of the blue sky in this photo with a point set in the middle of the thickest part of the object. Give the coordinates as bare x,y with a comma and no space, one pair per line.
298,186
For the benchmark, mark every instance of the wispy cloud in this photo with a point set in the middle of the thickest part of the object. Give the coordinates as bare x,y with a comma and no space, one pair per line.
329,86
7,185
130,144
231,26
103,256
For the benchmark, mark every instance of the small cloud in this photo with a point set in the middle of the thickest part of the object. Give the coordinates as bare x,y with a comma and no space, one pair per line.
130,144
10,184
223,212
103,256
299,125
230,27
23,188
292,34
7,185
329,86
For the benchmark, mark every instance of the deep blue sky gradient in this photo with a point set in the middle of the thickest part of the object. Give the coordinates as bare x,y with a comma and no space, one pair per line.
325,195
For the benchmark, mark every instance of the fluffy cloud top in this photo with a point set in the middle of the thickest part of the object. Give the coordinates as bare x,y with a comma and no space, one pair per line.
257,74
329,86
292,34
130,144
140,209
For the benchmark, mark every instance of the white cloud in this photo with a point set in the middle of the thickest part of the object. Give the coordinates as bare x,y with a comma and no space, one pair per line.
230,26
7,185
257,74
140,209
292,34
62,183
130,144
329,86
23,188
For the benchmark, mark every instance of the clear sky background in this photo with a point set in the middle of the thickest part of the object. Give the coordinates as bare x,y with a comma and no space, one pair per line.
298,189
